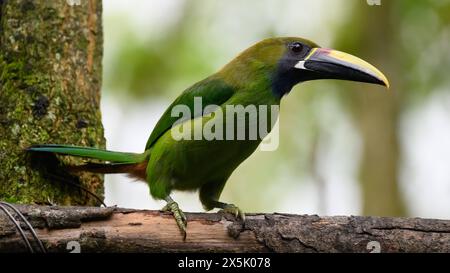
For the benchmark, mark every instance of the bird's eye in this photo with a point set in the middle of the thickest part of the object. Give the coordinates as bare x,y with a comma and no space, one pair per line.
296,47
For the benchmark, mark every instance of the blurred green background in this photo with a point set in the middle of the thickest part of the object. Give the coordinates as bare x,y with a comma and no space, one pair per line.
345,148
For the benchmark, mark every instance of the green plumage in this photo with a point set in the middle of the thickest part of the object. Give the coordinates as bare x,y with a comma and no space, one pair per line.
212,90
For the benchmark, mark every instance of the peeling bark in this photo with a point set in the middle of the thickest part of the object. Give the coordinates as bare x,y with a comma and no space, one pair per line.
50,79
126,230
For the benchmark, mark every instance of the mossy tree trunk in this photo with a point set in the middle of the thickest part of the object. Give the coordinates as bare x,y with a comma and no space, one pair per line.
50,68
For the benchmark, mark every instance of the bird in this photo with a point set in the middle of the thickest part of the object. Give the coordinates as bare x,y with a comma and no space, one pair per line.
261,76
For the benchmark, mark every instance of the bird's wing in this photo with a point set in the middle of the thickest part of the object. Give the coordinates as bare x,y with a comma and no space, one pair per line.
212,90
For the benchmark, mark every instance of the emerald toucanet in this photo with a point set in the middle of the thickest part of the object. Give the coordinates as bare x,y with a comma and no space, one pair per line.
259,76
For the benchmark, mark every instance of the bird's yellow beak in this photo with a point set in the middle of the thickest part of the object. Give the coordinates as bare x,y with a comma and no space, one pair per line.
332,64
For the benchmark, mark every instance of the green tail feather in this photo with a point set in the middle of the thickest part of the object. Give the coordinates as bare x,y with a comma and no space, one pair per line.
111,156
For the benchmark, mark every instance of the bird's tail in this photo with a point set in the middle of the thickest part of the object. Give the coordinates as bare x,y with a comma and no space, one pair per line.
87,152
116,162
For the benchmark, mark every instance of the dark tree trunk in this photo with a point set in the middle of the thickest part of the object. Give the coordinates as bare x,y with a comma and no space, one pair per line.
376,111
50,69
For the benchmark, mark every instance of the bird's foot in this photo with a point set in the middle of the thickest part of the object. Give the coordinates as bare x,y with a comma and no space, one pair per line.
179,216
234,210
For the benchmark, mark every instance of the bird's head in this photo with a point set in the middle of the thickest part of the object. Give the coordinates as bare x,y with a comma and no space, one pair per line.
288,61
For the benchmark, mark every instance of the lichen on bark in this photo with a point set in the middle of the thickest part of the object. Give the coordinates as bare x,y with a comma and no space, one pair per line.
50,80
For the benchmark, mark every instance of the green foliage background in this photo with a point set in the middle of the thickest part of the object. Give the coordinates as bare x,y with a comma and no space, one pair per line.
330,131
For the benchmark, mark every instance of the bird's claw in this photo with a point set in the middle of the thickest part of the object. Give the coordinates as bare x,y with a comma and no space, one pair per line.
179,216
234,210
